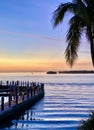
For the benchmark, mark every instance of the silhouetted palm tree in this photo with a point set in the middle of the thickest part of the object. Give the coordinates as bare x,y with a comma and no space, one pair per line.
88,124
81,21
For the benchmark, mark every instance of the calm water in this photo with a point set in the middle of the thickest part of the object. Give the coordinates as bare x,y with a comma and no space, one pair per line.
68,100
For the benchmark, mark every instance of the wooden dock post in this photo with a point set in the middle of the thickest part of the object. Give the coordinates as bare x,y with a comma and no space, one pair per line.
27,90
2,103
17,95
16,98
27,93
31,91
34,86
23,96
10,97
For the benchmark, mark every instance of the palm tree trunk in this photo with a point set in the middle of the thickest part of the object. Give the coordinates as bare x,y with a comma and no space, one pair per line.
92,43
92,52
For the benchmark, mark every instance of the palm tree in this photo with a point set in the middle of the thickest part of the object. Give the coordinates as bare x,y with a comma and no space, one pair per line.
88,124
81,21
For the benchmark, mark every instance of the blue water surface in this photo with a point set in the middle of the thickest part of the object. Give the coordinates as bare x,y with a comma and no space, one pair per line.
68,100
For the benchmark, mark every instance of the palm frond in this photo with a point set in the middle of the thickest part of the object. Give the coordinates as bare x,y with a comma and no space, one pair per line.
71,54
60,12
83,11
88,124
73,36
88,2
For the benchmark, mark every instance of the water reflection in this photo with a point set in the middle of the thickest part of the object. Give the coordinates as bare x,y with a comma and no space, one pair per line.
25,120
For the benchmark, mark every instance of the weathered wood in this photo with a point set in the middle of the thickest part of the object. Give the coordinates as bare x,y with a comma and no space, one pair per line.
5,90
10,100
2,103
17,94
23,96
16,98
4,94
31,91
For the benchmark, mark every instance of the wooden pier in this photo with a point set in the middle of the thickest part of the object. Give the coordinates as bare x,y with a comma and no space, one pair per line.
20,96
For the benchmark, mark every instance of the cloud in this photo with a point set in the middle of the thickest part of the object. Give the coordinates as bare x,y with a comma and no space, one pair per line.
31,35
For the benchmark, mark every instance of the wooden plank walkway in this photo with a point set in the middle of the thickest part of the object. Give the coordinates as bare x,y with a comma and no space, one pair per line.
17,94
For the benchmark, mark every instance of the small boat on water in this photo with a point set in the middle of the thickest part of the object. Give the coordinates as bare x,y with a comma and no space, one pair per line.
51,72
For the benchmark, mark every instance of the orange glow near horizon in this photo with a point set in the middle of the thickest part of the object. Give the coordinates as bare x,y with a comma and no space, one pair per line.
27,65
18,65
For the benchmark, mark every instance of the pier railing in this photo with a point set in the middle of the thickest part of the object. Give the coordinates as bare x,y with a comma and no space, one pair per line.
17,92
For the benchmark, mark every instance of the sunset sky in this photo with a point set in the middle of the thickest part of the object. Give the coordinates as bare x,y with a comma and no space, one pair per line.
28,41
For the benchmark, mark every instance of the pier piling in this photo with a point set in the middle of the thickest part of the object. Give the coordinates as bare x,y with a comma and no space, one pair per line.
2,103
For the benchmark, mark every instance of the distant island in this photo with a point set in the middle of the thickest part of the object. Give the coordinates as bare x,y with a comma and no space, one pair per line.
77,72
51,72
72,72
